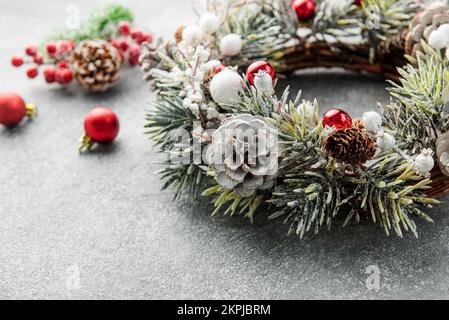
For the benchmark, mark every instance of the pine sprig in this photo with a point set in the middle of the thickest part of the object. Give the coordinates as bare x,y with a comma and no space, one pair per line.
266,31
420,112
392,193
336,20
311,190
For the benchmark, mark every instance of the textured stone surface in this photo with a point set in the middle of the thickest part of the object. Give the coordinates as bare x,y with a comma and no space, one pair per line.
102,213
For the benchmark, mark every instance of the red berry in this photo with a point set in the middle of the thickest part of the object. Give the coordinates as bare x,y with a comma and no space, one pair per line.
64,76
358,2
257,66
63,64
145,37
31,51
136,34
134,54
17,61
101,125
124,45
124,28
38,59
12,109
115,43
51,48
305,9
32,72
65,46
50,74
337,118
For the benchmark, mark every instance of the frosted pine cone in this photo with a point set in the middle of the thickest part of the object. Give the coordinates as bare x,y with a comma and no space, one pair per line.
96,65
422,25
351,146
244,154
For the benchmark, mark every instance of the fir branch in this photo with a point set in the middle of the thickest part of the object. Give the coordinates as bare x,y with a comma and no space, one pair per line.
420,112
336,19
383,19
311,191
232,204
392,193
266,31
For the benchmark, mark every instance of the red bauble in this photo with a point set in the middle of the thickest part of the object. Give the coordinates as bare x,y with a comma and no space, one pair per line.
13,109
305,9
257,66
219,68
101,125
337,118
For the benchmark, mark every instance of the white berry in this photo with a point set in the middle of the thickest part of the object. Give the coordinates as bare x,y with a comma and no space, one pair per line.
209,23
424,162
192,35
231,45
225,87
385,141
438,39
372,121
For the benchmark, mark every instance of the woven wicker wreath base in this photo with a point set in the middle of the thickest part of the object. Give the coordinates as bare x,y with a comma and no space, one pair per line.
356,58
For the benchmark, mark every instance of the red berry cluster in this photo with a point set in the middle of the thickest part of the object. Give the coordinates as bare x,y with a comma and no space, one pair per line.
128,42
54,61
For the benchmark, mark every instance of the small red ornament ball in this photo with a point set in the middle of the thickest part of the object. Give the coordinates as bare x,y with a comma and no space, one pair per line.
305,9
337,118
101,125
257,66
12,109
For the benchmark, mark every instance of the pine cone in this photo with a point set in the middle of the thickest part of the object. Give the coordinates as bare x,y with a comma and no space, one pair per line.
422,26
358,124
150,58
350,146
244,154
96,65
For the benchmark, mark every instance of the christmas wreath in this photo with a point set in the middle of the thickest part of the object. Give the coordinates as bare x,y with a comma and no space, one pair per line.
229,136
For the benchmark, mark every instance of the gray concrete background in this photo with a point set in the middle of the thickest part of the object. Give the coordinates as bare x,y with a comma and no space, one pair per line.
102,213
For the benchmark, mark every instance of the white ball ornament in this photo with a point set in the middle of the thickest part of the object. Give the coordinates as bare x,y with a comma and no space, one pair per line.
385,141
424,162
231,45
209,23
192,35
372,121
225,87
438,39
